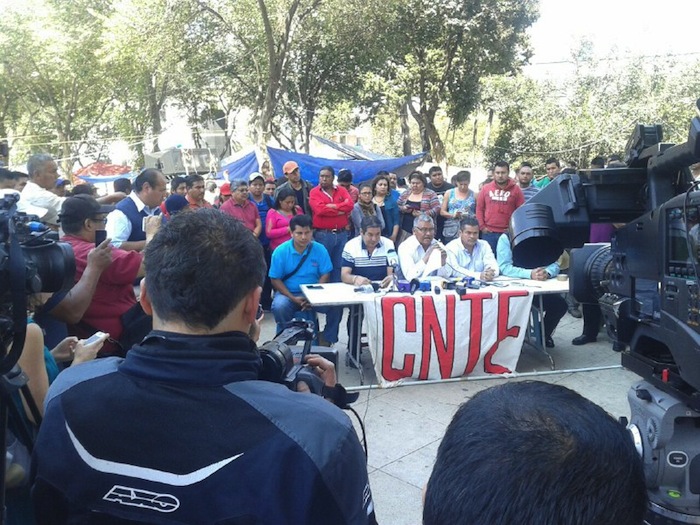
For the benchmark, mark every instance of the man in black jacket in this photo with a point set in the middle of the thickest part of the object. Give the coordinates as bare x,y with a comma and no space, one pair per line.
181,430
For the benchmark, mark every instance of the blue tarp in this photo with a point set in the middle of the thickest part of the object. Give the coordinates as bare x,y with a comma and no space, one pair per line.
108,178
239,169
362,170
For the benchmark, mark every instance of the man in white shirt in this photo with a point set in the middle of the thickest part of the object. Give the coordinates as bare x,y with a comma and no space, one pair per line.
43,173
125,223
469,256
421,255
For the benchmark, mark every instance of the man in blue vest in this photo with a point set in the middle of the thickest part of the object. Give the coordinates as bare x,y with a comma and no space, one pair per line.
125,223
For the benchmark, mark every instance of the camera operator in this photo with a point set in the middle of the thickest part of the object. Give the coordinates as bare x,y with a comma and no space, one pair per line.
182,425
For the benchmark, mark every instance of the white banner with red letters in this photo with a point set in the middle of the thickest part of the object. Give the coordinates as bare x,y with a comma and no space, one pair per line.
427,336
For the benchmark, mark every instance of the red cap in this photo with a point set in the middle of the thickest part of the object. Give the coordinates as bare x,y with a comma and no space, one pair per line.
225,189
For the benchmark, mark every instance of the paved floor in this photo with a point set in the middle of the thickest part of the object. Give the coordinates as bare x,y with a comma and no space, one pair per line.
405,425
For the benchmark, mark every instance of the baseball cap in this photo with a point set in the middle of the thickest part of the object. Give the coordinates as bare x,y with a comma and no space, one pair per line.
256,175
225,189
289,167
61,182
83,207
175,203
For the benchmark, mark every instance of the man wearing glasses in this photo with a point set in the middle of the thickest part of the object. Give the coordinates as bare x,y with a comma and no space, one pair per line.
421,255
81,216
240,207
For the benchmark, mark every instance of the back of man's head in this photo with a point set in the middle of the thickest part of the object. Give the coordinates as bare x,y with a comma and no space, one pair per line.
532,452
200,265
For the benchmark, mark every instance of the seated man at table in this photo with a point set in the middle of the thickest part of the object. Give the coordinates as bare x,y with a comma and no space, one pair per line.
365,258
554,304
469,256
299,261
532,452
421,255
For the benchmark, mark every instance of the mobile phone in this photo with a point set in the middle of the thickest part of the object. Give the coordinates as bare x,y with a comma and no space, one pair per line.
93,338
315,287
100,236
260,312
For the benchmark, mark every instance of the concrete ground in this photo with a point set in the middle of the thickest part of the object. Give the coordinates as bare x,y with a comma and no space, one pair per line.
405,425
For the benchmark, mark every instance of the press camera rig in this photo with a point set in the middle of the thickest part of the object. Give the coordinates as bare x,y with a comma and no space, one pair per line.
647,284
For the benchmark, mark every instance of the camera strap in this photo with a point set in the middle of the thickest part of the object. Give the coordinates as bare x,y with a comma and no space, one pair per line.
301,262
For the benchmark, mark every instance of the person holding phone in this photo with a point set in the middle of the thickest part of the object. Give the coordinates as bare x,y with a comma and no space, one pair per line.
81,218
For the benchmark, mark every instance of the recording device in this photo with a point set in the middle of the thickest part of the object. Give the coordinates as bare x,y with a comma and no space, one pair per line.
647,284
30,262
278,364
100,237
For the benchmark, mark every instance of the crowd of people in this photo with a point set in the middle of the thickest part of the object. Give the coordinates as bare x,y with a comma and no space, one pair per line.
188,342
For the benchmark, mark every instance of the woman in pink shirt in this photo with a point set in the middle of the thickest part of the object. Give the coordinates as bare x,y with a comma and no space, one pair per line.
277,223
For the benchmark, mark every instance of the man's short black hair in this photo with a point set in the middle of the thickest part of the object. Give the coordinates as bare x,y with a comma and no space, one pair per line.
175,182
6,174
552,160
123,185
468,221
302,221
192,179
532,452
200,265
502,164
149,175
434,169
525,165
345,175
370,221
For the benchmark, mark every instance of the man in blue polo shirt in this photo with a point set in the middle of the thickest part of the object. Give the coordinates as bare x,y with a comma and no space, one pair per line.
299,261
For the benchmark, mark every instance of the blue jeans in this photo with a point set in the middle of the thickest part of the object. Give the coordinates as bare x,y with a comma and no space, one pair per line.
285,310
334,243
492,239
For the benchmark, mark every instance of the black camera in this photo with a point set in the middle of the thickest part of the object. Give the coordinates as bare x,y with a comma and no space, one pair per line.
647,284
30,262
279,364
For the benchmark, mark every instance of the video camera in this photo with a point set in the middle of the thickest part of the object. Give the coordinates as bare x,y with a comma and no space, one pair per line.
647,284
30,262
280,365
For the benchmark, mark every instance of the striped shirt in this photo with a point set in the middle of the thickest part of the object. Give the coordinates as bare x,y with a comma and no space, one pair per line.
374,266
529,191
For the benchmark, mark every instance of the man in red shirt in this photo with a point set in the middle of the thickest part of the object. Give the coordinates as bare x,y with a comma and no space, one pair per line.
195,192
81,216
239,207
496,202
331,208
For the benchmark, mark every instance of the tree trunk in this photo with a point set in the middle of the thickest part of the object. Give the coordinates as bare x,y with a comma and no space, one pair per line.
487,130
154,108
405,130
438,147
419,117
475,131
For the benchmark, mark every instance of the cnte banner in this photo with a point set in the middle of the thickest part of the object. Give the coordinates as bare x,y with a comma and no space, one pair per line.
427,336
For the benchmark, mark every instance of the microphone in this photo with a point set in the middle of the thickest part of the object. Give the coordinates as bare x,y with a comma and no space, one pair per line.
392,259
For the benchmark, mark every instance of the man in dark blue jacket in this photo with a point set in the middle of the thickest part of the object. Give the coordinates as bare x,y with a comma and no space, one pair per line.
182,430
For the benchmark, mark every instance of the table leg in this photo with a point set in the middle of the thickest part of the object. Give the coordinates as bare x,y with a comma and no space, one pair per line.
539,336
354,339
